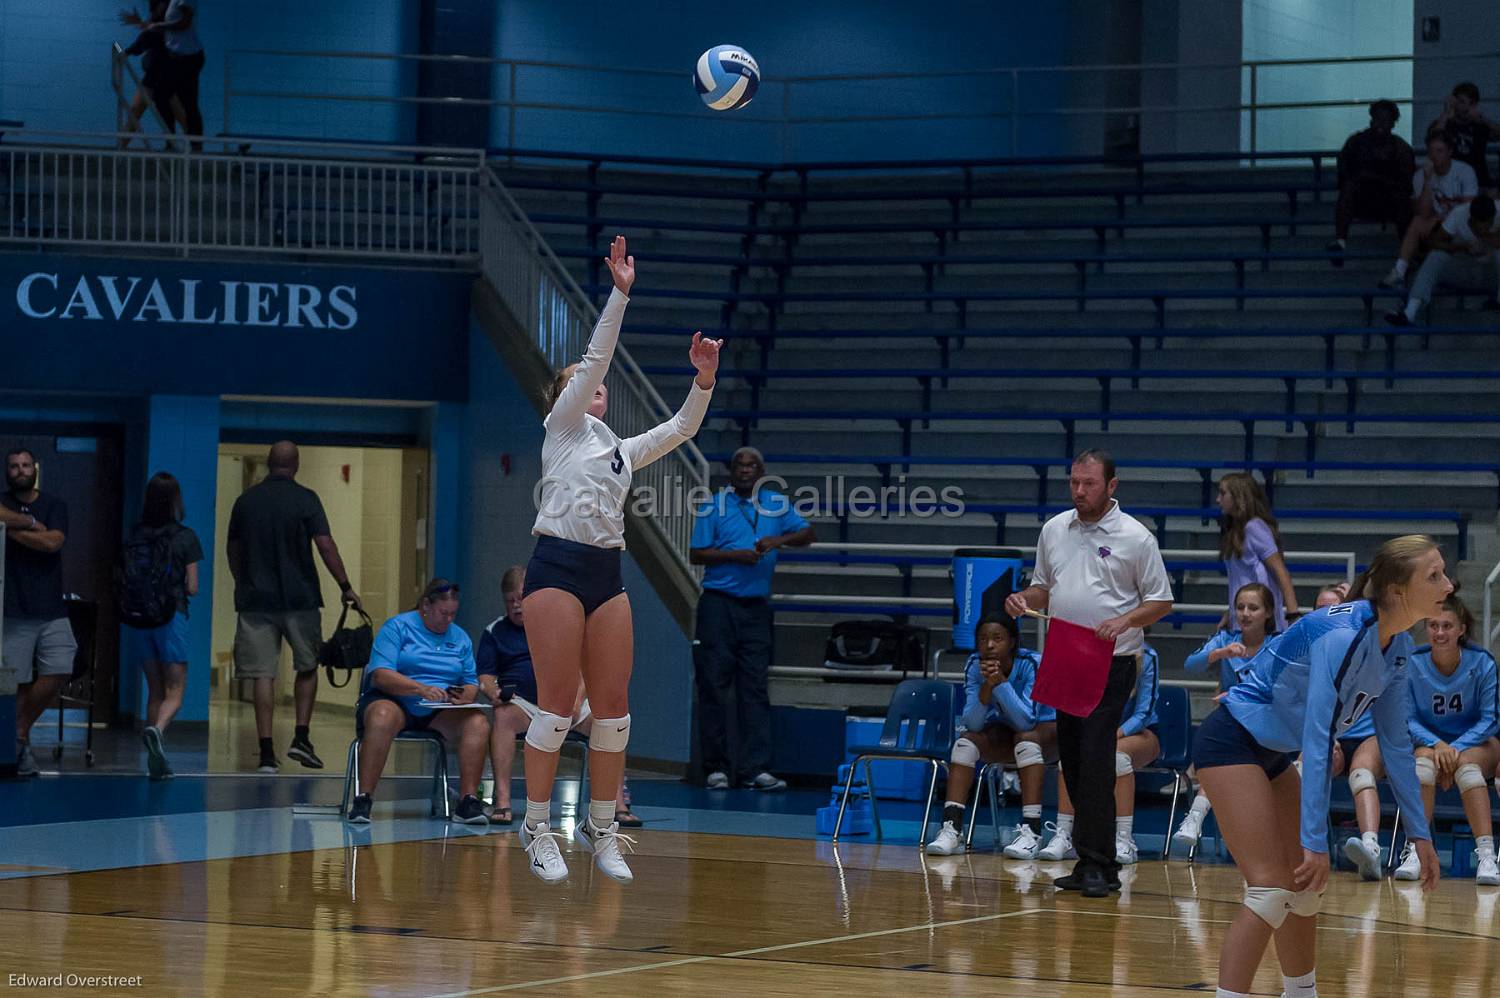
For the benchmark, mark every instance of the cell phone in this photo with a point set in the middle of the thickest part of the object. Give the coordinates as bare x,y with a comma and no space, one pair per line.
456,691
506,692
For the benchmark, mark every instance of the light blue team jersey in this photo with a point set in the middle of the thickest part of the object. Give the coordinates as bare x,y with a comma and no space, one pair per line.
1232,669
1010,702
1140,710
407,646
1460,709
1312,684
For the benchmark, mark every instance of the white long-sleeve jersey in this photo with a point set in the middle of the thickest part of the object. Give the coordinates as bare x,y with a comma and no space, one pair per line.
586,468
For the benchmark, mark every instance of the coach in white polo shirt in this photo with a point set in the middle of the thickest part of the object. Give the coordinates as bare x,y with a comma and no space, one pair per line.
1098,567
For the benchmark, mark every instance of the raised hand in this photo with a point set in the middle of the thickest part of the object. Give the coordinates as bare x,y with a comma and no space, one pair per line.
704,353
621,266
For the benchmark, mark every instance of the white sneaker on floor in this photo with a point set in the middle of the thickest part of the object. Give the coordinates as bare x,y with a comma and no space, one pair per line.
1126,851
1190,831
1363,857
1024,844
947,843
1488,873
1060,847
716,781
1393,279
604,843
1411,864
544,853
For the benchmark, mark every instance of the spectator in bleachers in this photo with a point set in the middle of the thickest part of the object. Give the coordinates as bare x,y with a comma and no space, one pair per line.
185,57
1232,650
39,646
1136,744
1441,185
273,528
163,650
1453,723
1470,130
1002,723
1331,595
1375,170
1467,232
156,86
422,655
1250,544
736,536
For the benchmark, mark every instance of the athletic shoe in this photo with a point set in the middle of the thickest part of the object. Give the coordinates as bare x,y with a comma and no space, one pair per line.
542,849
1094,884
1024,844
766,783
947,843
604,843
359,810
1075,882
156,758
1411,865
25,761
1362,857
1396,317
470,811
1126,851
268,763
1488,874
1395,280
717,780
1061,846
302,751
1190,831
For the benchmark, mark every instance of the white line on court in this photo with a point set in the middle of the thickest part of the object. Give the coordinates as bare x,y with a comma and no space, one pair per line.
1322,925
759,951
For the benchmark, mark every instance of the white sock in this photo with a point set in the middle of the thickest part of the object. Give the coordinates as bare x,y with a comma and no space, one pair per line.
537,814
601,814
1031,810
1065,824
1371,840
1200,806
1401,268
1413,306
1485,844
1226,993
1123,826
1305,986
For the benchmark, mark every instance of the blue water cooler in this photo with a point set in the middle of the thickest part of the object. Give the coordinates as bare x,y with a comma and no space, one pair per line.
982,579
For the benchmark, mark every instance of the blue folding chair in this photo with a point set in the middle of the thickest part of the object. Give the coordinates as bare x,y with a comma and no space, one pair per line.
918,726
1174,728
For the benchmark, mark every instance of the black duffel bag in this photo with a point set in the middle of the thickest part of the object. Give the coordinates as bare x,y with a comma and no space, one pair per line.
876,646
348,648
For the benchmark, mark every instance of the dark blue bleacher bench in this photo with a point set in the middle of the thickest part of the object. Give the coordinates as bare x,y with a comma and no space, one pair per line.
905,420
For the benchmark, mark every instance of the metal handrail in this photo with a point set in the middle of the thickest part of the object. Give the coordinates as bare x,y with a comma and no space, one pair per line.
1491,629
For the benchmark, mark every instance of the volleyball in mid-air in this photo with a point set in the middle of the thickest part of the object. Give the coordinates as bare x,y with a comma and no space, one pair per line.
726,77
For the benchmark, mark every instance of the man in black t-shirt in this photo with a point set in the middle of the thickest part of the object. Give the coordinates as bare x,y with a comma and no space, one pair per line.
38,646
272,530
1375,170
1470,130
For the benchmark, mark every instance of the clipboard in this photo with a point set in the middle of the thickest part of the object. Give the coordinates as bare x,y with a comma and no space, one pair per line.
1074,669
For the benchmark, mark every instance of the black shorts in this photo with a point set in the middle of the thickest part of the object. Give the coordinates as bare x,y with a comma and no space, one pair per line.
413,721
589,573
1223,741
1349,745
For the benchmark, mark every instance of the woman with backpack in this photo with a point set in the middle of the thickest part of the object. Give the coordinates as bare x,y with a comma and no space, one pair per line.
159,574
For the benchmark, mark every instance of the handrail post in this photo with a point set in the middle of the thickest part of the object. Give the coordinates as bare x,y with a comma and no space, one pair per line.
1254,113
510,125
228,58
1015,112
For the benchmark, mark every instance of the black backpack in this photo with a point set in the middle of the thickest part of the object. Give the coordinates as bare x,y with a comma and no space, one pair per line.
348,648
146,581
876,646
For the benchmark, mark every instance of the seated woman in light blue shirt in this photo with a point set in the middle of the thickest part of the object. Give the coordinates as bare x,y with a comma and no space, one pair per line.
1136,745
421,658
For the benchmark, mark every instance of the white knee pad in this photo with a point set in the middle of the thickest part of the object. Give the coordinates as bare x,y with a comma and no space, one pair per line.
547,731
1361,780
1469,777
609,734
1307,903
965,753
1427,772
1123,766
1271,904
1029,754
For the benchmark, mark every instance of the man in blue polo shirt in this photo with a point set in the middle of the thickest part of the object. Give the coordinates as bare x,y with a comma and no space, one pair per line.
735,537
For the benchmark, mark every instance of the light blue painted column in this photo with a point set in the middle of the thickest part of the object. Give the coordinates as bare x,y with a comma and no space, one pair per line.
182,437
445,442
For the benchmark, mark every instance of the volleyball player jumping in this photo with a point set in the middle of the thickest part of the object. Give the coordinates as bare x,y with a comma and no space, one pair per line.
578,621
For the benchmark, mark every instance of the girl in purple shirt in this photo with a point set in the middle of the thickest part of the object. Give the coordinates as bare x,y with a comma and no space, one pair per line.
1251,546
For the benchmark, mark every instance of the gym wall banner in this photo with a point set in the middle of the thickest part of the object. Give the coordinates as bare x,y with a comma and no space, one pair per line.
113,324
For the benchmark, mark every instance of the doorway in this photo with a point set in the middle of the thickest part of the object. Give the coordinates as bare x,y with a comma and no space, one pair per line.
376,500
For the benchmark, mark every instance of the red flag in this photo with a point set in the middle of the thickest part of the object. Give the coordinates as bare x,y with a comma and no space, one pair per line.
1075,667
